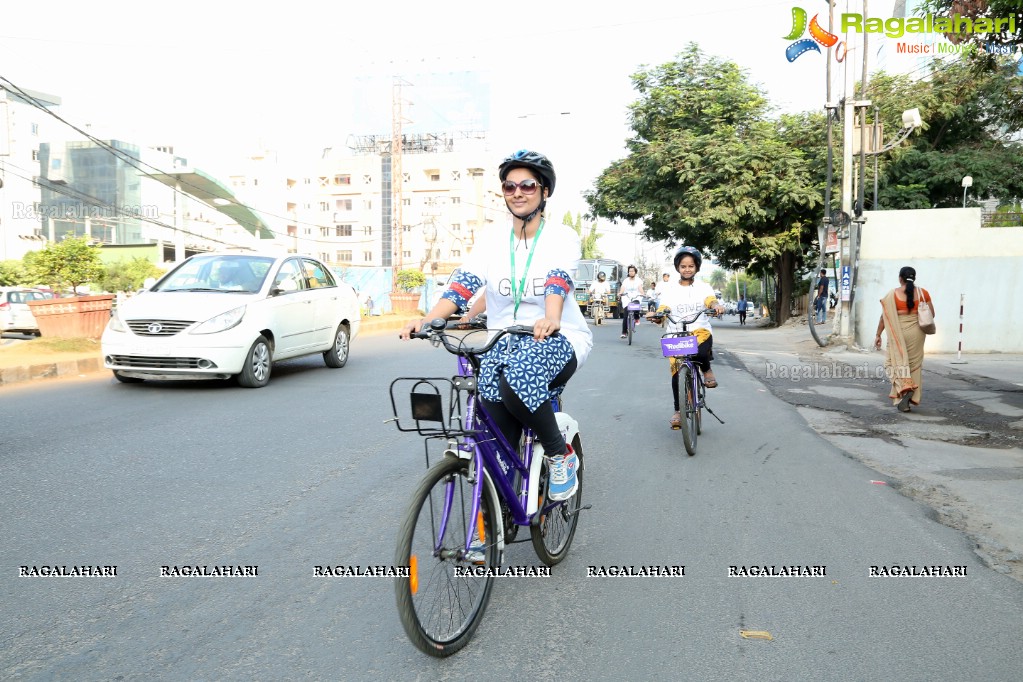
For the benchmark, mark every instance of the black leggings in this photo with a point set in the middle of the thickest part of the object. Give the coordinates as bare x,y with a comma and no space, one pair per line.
510,414
625,319
701,359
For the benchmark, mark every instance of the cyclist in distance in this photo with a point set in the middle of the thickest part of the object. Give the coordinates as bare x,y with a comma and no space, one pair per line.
683,299
524,271
632,287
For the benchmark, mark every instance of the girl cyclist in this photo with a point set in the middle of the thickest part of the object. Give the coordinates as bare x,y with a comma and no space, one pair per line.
632,288
525,273
683,299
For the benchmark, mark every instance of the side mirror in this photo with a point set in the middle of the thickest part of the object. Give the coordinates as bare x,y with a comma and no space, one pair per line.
276,291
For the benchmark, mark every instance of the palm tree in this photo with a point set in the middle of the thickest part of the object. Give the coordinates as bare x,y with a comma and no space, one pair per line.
718,279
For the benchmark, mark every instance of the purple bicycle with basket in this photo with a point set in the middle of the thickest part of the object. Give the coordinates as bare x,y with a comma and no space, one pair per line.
692,397
473,500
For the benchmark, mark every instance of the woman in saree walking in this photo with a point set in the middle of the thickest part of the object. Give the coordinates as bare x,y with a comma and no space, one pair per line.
899,316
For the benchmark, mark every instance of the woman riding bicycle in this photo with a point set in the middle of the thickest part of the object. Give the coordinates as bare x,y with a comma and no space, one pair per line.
684,299
632,288
525,272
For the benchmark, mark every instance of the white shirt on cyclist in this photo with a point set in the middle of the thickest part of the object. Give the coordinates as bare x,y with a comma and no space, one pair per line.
632,288
599,288
684,301
557,248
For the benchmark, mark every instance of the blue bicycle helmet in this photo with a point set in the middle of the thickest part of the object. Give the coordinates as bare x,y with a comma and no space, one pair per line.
692,251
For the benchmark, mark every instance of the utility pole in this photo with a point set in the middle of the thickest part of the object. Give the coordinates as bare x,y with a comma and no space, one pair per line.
850,242
397,120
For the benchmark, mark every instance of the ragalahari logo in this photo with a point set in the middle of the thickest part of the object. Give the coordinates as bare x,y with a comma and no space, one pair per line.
817,36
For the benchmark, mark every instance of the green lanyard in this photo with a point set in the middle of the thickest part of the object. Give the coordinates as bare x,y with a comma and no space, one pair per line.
517,293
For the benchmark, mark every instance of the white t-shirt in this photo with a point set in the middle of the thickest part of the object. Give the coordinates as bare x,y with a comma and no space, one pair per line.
685,301
557,248
661,286
599,288
631,286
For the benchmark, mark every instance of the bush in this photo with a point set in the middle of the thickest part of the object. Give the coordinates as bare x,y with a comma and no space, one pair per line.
128,275
407,280
69,263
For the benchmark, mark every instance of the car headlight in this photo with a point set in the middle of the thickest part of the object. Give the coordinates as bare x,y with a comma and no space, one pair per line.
221,322
115,324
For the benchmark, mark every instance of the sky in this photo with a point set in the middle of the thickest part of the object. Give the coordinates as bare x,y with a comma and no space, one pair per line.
219,80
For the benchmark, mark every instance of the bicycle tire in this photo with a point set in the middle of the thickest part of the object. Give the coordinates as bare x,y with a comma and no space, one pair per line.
686,398
631,325
699,405
441,623
557,527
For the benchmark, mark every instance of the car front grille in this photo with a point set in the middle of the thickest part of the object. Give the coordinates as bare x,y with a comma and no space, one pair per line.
150,362
161,327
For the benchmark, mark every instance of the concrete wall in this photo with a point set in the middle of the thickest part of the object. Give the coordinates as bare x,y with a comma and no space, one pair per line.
952,255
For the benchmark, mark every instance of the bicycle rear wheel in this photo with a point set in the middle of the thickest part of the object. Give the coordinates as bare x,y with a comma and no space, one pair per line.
553,536
688,399
440,609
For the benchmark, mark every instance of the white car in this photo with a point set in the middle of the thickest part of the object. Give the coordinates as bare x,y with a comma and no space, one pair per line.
15,315
221,315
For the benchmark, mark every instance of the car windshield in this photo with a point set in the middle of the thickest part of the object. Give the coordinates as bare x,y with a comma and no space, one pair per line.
227,273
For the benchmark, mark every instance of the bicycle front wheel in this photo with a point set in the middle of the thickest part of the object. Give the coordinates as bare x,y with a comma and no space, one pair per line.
631,326
553,535
441,602
699,402
688,399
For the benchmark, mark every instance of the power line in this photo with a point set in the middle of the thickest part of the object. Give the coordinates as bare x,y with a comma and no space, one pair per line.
98,203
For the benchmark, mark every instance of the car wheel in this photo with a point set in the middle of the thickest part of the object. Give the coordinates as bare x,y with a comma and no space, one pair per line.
127,380
337,355
256,371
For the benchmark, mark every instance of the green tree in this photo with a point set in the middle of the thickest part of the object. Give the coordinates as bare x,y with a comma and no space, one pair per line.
128,275
739,284
588,241
12,273
718,279
407,280
979,8
69,263
968,130
707,167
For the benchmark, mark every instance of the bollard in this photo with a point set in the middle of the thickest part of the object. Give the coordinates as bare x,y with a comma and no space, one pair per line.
959,353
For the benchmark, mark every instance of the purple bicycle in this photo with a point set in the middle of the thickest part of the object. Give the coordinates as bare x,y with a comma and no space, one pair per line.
692,397
472,502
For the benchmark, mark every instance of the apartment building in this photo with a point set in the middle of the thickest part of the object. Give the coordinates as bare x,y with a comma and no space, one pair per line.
344,213
23,127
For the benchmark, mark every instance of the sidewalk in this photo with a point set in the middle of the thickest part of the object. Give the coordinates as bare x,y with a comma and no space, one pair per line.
20,363
959,452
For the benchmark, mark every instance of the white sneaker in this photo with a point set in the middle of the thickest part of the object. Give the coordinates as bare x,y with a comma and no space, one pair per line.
563,481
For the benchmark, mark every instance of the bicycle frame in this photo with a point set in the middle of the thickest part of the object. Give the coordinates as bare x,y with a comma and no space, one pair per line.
488,448
687,360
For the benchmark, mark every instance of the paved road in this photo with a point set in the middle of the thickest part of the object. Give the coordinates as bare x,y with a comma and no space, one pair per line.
304,473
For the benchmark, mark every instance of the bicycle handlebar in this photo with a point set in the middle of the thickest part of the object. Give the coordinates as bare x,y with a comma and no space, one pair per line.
438,327
684,321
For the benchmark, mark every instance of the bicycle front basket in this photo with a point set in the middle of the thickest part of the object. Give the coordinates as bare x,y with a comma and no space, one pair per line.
433,407
674,346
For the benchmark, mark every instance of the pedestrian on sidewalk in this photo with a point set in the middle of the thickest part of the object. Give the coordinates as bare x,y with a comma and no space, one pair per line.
904,363
741,307
820,303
